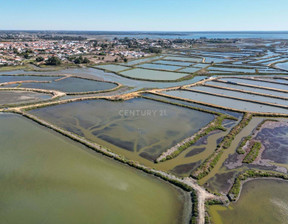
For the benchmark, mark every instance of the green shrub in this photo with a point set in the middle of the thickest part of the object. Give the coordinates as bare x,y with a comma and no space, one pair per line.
253,153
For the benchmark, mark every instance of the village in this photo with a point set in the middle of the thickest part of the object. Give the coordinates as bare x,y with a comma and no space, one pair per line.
16,49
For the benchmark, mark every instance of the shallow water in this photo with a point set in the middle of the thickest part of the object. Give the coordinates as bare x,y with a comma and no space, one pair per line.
73,85
236,94
226,102
226,69
111,77
275,142
257,83
256,90
283,65
183,59
181,102
46,178
261,202
113,68
17,97
11,78
178,63
140,73
190,69
138,61
135,128
215,60
159,66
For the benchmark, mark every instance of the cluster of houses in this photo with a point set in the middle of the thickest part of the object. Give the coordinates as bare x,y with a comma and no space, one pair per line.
15,52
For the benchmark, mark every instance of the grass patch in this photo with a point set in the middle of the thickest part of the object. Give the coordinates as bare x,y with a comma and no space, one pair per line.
216,124
205,168
240,149
236,188
253,154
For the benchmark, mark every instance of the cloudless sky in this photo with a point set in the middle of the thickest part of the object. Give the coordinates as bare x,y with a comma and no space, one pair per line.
145,15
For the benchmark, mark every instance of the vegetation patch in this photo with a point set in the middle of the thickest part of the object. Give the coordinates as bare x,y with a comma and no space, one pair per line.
212,160
253,153
214,125
195,211
244,141
236,188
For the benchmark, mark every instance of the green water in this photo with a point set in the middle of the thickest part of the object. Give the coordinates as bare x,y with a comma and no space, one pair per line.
261,202
46,178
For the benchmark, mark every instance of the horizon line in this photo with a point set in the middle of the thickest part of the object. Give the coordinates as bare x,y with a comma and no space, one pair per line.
220,31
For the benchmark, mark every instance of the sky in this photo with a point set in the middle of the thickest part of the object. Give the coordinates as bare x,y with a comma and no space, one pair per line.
144,15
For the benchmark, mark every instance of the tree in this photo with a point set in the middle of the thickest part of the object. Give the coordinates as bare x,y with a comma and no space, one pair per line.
26,55
86,61
29,51
39,59
154,50
81,60
77,61
53,61
125,60
15,51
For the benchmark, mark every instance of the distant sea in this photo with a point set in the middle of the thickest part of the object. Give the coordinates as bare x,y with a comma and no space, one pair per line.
197,35
168,35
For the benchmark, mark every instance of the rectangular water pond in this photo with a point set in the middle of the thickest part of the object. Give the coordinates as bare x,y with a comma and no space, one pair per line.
113,68
236,94
138,61
257,83
159,67
47,178
215,60
137,127
177,63
139,73
190,69
226,69
174,58
18,97
246,88
72,85
186,103
15,78
226,102
283,65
